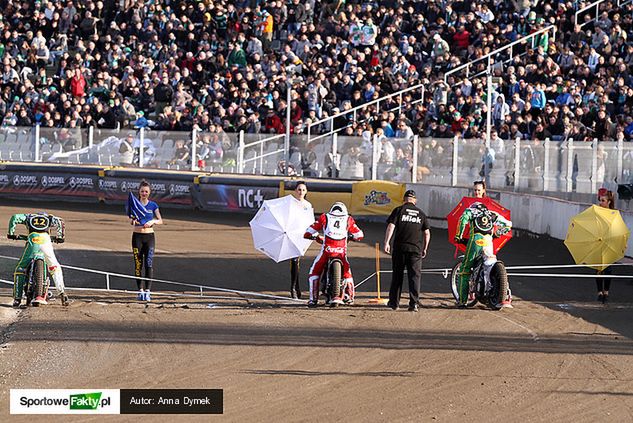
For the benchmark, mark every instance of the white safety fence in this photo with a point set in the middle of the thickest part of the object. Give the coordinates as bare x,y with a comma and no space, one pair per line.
200,288
446,271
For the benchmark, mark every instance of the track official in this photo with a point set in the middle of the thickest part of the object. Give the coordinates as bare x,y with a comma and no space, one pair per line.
409,228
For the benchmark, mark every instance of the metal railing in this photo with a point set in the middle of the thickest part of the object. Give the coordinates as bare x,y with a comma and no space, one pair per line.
582,11
594,16
490,56
521,165
329,121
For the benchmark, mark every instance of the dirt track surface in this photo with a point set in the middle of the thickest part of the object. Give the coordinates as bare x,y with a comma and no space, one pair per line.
558,355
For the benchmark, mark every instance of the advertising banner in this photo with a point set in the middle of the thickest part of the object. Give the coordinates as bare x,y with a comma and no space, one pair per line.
376,197
39,181
167,188
220,197
116,189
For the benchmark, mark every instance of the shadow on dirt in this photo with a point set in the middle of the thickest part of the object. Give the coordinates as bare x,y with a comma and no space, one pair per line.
314,337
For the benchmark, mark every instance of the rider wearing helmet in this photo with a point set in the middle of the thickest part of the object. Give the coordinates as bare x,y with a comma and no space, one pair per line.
337,225
39,240
483,225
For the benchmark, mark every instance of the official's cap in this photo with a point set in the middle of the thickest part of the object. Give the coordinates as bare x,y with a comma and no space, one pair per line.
409,193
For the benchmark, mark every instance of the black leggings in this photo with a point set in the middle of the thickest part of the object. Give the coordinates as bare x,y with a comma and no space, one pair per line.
294,277
603,284
143,249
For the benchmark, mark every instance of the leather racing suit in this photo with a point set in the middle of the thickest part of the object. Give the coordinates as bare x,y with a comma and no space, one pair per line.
483,224
336,229
39,240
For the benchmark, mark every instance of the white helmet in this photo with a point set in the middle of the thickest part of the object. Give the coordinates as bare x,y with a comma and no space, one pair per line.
338,209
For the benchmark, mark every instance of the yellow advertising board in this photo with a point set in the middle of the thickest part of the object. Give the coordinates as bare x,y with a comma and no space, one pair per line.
376,197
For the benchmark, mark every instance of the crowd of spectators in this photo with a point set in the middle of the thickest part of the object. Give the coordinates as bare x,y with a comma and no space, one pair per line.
227,65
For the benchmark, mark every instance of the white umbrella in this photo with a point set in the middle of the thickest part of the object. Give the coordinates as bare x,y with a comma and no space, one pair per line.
278,228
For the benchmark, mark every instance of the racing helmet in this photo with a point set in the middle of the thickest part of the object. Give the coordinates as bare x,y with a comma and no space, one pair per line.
338,209
479,207
38,222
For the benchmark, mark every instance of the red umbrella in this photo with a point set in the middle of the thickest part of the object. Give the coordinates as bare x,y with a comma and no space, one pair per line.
456,213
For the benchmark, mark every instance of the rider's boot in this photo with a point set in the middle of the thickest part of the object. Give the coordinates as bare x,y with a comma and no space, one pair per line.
64,298
17,302
39,300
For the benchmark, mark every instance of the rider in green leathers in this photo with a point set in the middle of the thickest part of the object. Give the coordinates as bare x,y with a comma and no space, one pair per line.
483,224
38,241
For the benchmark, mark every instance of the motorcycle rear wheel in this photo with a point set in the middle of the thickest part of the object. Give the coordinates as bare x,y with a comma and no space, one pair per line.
499,278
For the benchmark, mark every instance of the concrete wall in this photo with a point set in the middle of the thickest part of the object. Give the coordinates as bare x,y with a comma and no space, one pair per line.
533,213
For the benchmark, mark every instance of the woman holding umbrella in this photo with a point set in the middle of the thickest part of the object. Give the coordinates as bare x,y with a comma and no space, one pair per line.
299,194
606,200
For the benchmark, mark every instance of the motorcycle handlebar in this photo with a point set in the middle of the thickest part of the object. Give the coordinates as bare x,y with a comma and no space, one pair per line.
21,237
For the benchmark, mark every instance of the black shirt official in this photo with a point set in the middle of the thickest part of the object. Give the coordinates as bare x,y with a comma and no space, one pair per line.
411,234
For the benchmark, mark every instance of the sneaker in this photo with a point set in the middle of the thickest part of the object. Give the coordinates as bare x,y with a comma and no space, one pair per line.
17,302
65,301
414,308
39,300
392,306
147,296
140,296
312,303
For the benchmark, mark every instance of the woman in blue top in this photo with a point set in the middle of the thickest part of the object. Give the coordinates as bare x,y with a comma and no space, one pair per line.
143,242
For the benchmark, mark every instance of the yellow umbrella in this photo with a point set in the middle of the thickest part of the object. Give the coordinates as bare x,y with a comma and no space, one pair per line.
597,237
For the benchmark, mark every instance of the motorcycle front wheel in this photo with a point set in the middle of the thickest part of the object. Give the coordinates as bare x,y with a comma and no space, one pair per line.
335,273
455,286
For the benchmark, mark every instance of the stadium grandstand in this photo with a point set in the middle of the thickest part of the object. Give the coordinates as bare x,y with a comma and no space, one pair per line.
195,83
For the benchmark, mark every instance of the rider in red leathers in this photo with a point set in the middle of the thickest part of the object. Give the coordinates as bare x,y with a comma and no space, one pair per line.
337,225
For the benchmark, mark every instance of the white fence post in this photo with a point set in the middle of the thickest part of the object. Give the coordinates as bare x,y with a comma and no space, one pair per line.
594,165
619,164
414,171
91,135
261,158
37,144
374,157
194,142
517,162
455,161
141,145
240,153
570,165
335,162
546,169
